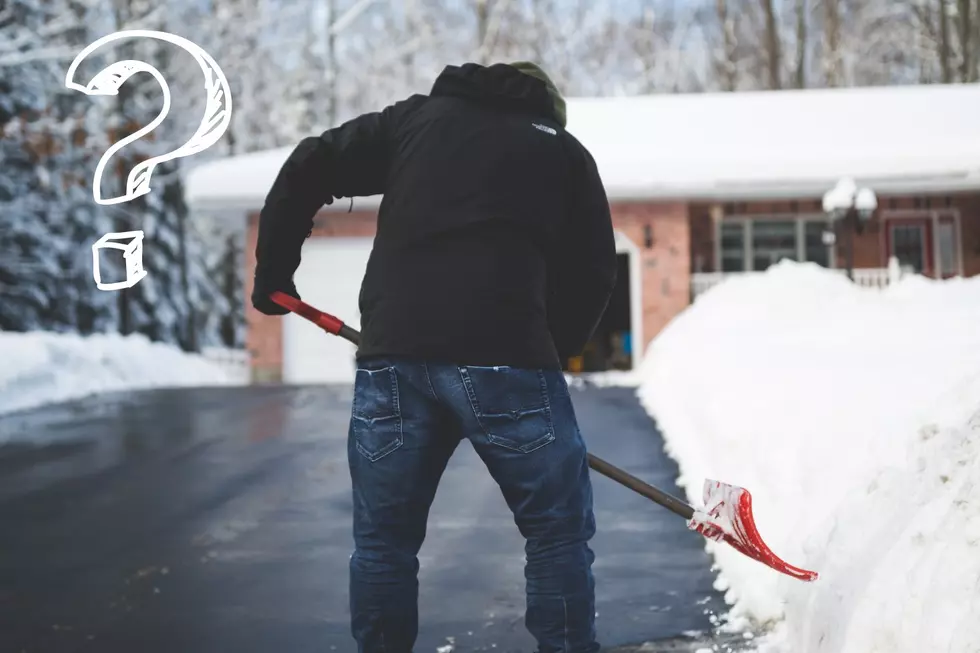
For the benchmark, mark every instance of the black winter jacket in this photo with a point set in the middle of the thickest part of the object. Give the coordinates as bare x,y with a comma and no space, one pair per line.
494,241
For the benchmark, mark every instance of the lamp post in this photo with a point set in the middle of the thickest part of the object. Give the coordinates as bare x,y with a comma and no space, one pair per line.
846,203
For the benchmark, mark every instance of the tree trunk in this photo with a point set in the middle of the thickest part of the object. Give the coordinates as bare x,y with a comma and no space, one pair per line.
773,45
412,26
728,66
945,64
966,31
539,22
976,37
833,64
121,223
331,65
190,342
229,269
482,27
801,42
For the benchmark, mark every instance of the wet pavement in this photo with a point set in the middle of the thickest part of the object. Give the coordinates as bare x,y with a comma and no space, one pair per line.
211,520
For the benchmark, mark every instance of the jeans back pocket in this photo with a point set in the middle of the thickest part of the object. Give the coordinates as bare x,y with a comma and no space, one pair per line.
511,405
376,420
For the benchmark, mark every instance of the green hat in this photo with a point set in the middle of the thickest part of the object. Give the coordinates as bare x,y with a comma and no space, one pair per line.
534,70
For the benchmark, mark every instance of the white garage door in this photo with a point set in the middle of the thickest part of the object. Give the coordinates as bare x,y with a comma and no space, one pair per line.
328,278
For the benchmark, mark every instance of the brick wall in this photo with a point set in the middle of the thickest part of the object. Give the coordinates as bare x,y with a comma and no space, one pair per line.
869,245
665,269
969,206
870,248
665,283
263,333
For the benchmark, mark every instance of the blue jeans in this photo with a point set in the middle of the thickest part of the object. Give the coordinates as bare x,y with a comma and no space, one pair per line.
407,419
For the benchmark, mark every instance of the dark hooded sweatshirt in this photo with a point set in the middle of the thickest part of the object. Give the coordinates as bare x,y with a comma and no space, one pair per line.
494,241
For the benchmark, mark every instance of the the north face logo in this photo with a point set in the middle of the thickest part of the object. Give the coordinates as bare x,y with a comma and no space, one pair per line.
545,128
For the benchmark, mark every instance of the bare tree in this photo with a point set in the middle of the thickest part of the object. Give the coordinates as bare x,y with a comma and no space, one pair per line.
330,65
967,34
727,64
833,57
802,41
945,51
656,44
773,45
482,26
643,45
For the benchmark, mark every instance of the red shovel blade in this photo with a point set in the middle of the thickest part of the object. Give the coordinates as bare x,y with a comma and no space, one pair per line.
727,517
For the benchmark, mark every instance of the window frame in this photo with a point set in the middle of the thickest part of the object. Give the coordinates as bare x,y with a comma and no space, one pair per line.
801,220
934,218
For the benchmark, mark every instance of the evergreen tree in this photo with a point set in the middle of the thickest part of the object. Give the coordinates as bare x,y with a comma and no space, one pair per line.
47,216
173,303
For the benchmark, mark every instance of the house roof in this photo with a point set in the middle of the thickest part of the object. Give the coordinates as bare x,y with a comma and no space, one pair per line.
761,144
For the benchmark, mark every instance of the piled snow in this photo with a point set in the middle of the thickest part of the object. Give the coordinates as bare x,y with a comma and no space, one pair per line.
853,417
609,379
40,368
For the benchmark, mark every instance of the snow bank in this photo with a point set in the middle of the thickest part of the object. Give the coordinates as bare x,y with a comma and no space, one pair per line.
40,368
853,416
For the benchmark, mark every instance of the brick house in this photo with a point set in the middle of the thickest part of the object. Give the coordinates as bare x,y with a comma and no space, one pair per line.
700,186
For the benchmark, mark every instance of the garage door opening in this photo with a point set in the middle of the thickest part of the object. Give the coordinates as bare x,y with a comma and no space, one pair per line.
329,279
611,347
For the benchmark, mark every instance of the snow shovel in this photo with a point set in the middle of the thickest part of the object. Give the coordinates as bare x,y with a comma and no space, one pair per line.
726,517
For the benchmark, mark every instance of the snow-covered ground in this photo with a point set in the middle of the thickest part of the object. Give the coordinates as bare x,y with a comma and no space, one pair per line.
853,417
613,378
40,368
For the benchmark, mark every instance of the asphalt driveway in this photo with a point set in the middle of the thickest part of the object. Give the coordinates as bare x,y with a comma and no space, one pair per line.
212,520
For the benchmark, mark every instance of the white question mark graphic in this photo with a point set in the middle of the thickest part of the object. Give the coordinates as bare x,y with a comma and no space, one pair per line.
217,117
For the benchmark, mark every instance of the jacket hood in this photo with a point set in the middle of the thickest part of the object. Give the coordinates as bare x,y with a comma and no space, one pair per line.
499,85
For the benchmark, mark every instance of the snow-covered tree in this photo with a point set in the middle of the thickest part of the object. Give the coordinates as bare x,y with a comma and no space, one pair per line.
47,221
173,302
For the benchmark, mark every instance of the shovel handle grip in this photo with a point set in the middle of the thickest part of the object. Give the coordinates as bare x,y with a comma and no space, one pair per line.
325,321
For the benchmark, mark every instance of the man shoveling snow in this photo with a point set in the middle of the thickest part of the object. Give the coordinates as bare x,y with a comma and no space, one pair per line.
494,260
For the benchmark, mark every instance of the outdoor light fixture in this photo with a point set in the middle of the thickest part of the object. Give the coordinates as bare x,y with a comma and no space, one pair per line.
647,236
840,199
853,206
866,203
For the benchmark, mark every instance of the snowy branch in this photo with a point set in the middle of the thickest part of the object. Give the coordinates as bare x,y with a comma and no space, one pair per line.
349,16
493,29
53,53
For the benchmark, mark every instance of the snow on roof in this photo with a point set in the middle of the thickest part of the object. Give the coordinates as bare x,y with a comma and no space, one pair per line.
728,145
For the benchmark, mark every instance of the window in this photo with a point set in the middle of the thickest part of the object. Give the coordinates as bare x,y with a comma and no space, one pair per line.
772,242
732,246
909,245
814,248
757,244
948,259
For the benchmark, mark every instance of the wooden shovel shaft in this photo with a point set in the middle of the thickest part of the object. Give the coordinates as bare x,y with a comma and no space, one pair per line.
333,325
626,479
